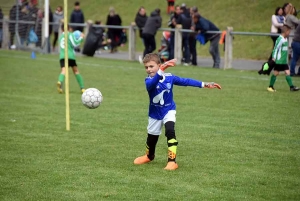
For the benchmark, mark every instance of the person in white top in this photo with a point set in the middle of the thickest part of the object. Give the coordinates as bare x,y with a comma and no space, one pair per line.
278,21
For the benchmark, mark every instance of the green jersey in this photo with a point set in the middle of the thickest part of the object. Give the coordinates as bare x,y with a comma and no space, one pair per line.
280,50
72,43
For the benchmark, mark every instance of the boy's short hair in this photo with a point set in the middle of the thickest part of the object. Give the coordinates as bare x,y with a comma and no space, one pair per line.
151,57
77,3
63,27
285,28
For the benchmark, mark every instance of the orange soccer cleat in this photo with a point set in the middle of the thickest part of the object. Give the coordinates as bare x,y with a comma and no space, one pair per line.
171,165
141,160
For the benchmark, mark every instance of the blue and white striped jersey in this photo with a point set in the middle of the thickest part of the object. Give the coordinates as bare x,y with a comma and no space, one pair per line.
160,90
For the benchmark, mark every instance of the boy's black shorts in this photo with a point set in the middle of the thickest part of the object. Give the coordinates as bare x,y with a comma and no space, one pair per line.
281,67
71,62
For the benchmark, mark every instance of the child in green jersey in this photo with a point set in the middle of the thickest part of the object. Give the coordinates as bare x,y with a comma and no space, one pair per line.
73,42
280,57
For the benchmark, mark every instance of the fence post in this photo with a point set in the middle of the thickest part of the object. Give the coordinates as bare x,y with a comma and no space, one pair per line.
228,48
87,26
178,43
5,33
131,41
43,38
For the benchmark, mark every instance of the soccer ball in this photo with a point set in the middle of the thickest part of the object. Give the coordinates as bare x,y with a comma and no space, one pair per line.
91,98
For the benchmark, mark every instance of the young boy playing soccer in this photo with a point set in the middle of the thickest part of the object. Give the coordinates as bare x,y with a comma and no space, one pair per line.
73,42
279,56
162,108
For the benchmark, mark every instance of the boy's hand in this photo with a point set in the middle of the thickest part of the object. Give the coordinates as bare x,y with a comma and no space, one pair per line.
168,64
211,85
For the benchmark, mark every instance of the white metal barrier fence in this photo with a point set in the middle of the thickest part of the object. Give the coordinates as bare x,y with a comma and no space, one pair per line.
131,30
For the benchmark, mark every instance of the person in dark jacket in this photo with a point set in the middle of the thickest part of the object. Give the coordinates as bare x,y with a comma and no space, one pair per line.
34,16
12,26
23,32
174,20
153,23
114,34
186,23
77,16
140,20
184,10
50,17
192,38
203,25
296,51
93,40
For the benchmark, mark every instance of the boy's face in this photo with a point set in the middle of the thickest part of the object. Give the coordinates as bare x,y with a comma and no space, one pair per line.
288,32
151,68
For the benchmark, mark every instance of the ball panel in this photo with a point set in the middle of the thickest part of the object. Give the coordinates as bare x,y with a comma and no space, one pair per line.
91,98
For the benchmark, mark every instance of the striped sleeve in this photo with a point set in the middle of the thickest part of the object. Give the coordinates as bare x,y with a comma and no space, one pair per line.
74,42
277,47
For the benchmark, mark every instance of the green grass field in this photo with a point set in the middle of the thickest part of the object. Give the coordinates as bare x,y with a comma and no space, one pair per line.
238,143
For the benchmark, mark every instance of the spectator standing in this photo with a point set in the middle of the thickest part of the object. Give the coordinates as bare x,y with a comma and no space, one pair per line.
284,8
1,24
184,10
186,23
202,26
140,20
114,34
175,19
58,16
12,25
296,51
292,21
170,8
23,31
32,17
277,22
153,23
77,16
192,38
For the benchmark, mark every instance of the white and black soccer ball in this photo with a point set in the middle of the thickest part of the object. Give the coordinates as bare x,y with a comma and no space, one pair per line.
91,98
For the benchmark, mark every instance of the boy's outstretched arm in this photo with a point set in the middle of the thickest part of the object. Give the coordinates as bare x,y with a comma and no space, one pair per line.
195,83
